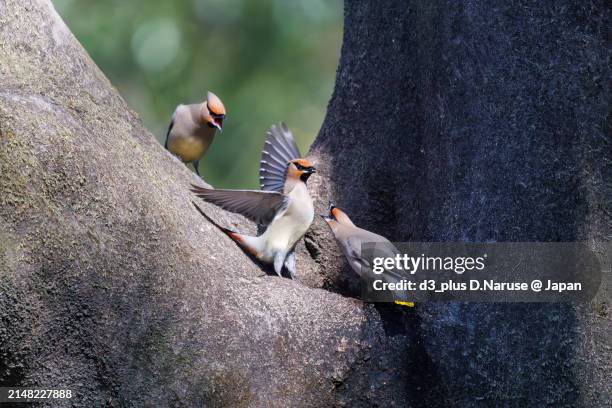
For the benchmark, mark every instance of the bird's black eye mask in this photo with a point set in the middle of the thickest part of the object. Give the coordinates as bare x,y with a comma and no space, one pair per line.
307,171
218,118
213,114
304,176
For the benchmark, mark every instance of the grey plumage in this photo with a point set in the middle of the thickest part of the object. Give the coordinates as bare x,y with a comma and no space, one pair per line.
192,129
258,206
279,149
284,205
351,238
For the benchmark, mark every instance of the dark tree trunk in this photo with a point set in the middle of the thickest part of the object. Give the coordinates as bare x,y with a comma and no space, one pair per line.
450,121
482,121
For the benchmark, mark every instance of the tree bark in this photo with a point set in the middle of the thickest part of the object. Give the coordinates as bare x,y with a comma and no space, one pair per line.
114,286
481,121
449,121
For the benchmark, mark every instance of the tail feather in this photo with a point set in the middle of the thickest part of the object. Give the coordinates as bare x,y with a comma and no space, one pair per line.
236,237
232,234
402,303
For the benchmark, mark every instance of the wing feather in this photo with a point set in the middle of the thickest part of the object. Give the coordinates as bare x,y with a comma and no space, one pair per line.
169,130
258,206
279,149
383,247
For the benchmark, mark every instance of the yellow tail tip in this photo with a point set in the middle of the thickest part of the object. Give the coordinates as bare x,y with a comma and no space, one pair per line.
407,304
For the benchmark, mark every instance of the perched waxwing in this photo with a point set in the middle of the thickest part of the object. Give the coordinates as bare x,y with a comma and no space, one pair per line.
283,205
350,239
193,128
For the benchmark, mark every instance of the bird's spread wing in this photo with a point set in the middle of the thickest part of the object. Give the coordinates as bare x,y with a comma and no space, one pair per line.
279,149
258,206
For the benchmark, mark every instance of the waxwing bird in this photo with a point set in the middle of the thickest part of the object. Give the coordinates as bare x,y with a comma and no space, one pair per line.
350,238
193,129
283,206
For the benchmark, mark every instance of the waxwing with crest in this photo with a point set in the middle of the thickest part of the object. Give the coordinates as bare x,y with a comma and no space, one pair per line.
283,205
350,239
193,128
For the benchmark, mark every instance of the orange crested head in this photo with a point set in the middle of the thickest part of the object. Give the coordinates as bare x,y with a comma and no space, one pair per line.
338,215
214,114
300,169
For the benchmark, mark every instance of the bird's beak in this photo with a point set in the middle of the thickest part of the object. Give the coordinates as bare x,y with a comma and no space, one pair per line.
218,123
330,210
329,217
310,170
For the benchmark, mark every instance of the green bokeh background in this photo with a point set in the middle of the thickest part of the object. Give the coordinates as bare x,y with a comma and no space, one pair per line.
268,60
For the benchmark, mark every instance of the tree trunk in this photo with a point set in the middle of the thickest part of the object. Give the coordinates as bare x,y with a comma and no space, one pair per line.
482,121
114,286
449,121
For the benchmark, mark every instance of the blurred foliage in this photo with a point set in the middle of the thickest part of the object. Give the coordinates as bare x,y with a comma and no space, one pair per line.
268,60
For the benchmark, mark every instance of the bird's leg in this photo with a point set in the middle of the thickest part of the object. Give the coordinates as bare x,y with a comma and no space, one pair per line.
196,166
279,258
290,264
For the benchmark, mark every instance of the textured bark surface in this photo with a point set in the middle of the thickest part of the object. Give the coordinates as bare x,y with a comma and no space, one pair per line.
454,120
482,121
111,283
